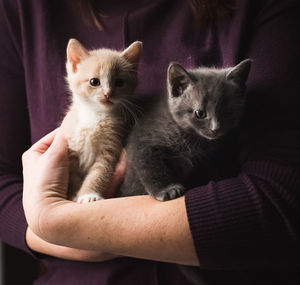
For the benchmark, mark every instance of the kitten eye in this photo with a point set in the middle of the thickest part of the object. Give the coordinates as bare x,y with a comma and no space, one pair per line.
119,82
94,82
200,114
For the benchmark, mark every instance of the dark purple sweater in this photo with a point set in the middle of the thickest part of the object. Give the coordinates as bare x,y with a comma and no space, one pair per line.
240,225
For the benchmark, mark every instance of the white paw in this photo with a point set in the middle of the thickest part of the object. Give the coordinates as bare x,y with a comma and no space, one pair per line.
87,198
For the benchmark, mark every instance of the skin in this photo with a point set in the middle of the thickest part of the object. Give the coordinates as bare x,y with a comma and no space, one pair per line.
136,226
39,245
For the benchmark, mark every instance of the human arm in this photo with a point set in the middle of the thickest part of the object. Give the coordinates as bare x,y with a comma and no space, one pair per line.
137,226
154,239
40,246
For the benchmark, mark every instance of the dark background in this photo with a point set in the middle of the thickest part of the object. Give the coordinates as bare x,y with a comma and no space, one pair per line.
19,267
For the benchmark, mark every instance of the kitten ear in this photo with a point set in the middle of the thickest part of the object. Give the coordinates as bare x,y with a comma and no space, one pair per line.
178,79
240,72
76,52
133,53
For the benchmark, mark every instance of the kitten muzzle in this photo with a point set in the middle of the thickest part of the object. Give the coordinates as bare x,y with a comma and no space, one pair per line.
212,134
106,101
107,95
215,133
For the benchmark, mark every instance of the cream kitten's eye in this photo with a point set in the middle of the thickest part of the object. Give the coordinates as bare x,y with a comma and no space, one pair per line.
119,82
94,82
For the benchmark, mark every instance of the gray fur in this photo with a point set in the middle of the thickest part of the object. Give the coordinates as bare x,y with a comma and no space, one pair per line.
170,141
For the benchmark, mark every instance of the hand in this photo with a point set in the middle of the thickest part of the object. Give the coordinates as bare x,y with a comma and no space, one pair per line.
45,175
137,226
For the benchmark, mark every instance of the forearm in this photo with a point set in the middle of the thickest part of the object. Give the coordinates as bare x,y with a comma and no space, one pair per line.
134,226
37,244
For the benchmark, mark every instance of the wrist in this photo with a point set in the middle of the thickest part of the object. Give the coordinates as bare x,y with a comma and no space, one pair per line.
50,219
38,245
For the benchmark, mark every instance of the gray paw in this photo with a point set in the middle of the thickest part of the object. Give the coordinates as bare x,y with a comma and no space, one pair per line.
170,192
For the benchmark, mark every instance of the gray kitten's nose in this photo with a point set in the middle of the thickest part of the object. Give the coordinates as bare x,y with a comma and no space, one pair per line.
214,127
215,131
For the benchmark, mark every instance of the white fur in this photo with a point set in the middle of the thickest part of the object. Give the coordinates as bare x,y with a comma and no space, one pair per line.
91,197
89,117
214,125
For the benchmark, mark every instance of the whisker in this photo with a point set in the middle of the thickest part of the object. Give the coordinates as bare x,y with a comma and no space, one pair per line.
124,114
128,111
135,106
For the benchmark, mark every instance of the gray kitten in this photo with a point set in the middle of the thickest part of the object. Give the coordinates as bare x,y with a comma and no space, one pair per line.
184,130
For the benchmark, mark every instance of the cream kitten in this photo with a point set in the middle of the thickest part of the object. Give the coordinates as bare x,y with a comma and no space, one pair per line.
102,83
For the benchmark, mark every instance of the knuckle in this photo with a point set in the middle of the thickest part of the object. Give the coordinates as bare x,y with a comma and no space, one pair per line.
24,156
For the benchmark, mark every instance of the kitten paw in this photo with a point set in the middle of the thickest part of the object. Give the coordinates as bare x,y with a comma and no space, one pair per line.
169,193
87,198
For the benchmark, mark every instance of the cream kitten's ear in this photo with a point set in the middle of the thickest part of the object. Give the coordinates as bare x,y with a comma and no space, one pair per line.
76,52
133,53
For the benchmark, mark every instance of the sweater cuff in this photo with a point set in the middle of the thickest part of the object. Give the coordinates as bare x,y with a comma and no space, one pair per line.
223,217
234,221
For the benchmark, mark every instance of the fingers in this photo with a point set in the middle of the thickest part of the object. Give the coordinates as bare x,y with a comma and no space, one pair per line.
43,144
46,167
121,166
58,147
53,144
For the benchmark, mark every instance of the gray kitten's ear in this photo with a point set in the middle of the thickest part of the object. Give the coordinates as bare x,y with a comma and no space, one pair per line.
76,52
178,79
240,72
133,53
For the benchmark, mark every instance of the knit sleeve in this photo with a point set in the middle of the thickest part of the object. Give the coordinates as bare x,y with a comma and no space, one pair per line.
14,128
253,220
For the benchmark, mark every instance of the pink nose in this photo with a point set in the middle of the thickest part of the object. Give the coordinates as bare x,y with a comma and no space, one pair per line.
215,132
107,95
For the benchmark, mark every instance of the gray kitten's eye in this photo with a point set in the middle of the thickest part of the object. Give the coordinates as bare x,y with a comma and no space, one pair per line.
94,82
119,82
200,114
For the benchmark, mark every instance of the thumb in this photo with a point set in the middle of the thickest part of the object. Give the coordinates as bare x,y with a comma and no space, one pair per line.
59,147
